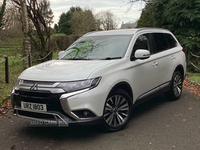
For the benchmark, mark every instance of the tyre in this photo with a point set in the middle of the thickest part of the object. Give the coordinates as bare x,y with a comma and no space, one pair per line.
117,110
176,87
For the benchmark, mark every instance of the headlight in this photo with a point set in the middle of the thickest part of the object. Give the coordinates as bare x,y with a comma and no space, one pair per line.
79,85
17,83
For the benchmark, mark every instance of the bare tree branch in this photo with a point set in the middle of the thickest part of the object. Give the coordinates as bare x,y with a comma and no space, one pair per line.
107,19
2,12
36,13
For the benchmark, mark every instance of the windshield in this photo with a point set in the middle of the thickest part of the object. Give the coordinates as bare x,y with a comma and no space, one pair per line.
98,47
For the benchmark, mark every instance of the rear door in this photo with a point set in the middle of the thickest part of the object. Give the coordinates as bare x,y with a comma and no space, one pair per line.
166,51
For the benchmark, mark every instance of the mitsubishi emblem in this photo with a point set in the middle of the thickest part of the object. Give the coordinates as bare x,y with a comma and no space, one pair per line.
34,87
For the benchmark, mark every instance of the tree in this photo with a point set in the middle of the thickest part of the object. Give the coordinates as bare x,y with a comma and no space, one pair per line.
46,12
13,24
83,21
131,2
41,17
146,18
107,20
56,27
2,13
26,39
179,16
182,17
64,24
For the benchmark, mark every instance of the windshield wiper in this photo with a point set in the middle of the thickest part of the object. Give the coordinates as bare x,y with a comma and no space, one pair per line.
77,59
109,58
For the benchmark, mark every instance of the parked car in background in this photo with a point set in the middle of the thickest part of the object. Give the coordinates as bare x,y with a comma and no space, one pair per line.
101,76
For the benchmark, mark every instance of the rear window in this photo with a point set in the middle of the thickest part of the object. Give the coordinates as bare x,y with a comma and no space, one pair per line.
160,42
171,41
164,41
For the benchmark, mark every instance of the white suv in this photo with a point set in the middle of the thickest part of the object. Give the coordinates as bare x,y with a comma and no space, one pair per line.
100,77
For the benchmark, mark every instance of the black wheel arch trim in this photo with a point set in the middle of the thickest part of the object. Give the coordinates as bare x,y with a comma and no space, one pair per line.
179,68
123,86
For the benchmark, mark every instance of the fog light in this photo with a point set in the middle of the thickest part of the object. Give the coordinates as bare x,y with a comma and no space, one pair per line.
84,113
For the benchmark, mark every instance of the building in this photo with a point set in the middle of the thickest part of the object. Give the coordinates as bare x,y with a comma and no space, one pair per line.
128,25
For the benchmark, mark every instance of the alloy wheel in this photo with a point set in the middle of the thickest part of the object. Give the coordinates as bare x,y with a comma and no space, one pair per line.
117,111
177,85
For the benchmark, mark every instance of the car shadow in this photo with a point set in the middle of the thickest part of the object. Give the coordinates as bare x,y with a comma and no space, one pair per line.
149,105
78,132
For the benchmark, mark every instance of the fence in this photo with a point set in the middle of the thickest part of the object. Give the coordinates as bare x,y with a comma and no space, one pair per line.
195,66
9,62
6,69
6,61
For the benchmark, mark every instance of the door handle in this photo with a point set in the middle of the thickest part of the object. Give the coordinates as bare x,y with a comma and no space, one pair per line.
155,63
173,57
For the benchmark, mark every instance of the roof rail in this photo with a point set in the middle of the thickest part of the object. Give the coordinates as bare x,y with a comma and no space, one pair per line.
148,28
90,33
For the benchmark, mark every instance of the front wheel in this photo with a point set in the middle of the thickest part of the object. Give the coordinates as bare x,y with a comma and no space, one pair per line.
176,87
117,110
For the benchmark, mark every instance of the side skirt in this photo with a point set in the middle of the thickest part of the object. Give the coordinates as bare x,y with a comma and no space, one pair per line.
152,93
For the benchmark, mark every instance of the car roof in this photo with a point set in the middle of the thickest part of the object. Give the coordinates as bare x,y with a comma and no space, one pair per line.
124,31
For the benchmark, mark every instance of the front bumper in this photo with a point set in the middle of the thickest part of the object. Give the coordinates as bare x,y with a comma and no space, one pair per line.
54,118
82,107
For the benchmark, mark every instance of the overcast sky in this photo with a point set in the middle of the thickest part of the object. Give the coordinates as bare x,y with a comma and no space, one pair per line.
118,7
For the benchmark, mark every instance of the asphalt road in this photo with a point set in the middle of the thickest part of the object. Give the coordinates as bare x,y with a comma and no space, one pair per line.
155,125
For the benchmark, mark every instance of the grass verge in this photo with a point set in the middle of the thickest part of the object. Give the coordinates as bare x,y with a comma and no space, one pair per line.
15,68
194,76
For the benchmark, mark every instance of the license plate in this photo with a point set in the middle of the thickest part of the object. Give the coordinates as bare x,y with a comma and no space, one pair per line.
33,106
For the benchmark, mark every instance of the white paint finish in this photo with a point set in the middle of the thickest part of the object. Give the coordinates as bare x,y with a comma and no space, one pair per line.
140,53
145,75
63,70
92,100
168,61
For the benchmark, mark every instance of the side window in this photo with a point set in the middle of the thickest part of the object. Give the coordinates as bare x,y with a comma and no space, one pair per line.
160,42
171,41
142,42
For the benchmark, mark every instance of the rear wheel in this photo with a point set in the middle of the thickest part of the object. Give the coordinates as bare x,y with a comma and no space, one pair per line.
117,110
176,87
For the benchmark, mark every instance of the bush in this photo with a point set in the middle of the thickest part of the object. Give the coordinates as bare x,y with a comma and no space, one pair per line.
63,42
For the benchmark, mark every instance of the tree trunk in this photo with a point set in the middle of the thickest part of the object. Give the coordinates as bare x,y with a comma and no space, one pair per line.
26,40
2,11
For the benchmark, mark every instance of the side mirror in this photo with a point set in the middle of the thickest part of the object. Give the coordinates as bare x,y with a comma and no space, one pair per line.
142,54
60,53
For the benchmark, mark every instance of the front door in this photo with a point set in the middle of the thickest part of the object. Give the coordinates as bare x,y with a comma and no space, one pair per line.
145,72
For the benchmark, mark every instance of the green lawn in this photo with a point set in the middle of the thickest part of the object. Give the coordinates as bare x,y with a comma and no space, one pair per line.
194,76
57,34
15,68
11,47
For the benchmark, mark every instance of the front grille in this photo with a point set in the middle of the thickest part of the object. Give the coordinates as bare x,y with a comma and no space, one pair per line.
52,101
34,94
